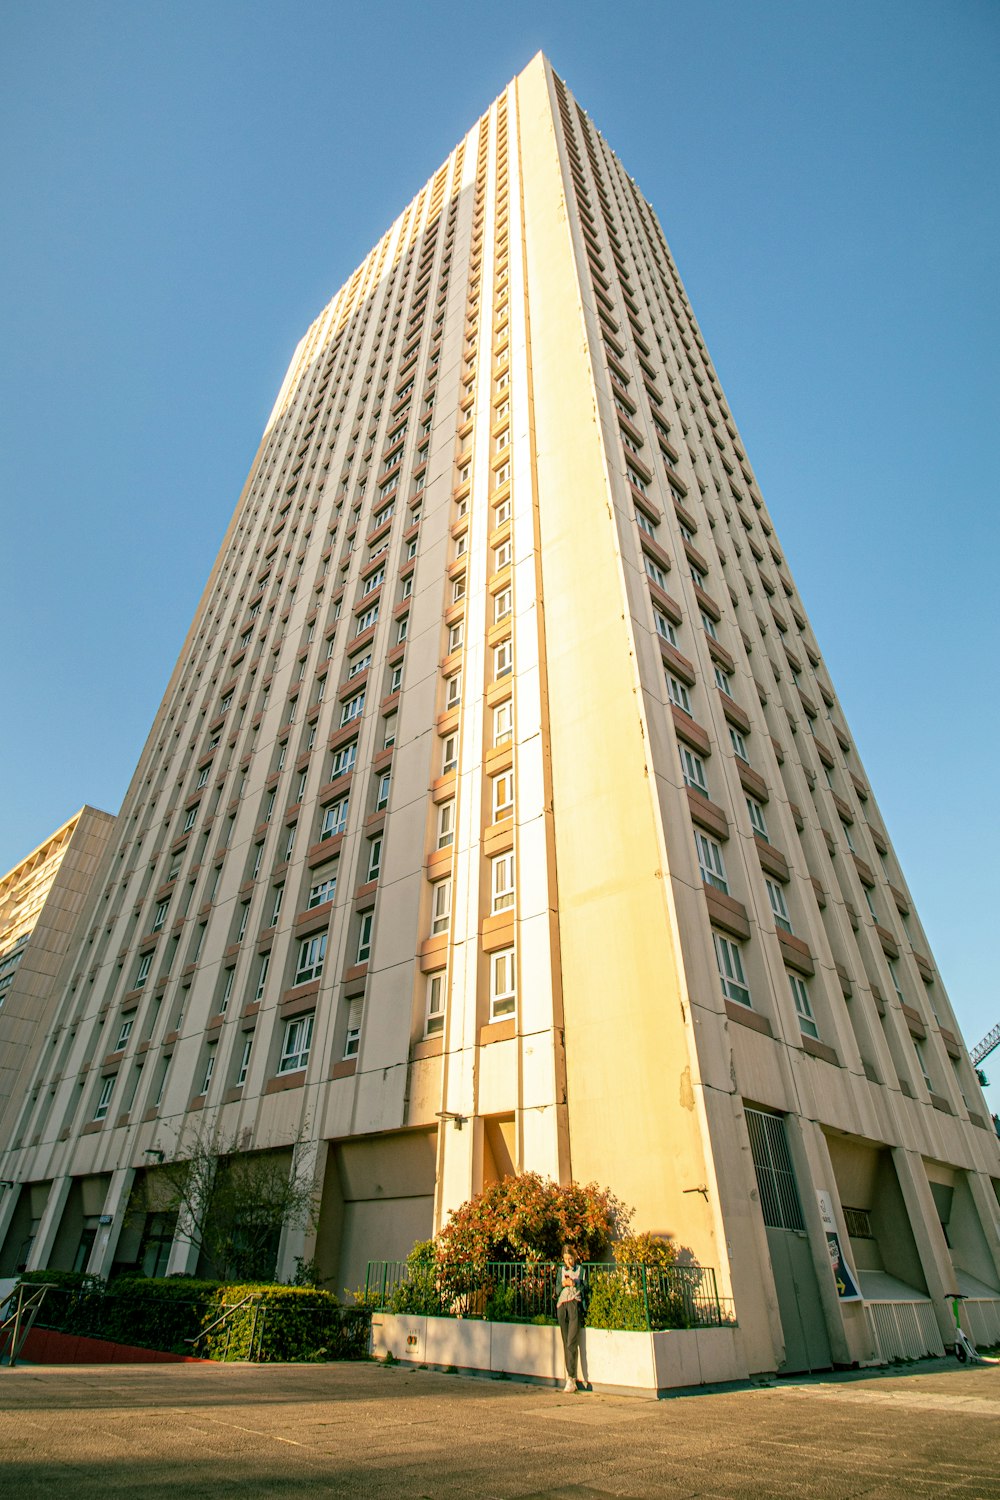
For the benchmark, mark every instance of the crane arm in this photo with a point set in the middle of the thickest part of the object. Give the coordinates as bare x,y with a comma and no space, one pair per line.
985,1047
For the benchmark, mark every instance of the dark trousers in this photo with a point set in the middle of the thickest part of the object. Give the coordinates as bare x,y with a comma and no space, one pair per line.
569,1326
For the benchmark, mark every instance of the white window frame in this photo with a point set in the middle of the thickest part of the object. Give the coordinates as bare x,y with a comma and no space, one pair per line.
503,984
366,925
434,1004
710,861
502,882
296,1043
104,1097
755,812
441,906
732,976
312,956
677,693
503,658
803,1009
503,722
503,795
446,824
334,819
776,901
322,892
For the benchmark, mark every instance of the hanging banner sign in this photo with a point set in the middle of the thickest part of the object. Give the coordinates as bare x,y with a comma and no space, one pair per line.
847,1289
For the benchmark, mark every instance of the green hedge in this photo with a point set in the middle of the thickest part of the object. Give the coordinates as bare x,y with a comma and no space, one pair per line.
279,1323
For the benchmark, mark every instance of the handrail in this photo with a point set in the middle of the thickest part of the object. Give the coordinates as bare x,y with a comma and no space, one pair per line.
29,1305
253,1297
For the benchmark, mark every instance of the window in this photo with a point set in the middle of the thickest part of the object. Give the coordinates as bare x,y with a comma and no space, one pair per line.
847,837
894,975
104,1097
455,635
503,882
265,964
343,760
708,625
918,1047
678,693
502,604
352,1036
160,915
395,678
374,858
334,819
693,770
654,571
723,681
389,736
502,986
502,475
279,891
324,890
727,956
352,709
501,514
373,581
434,1014
244,919
142,972
209,1067
664,627
312,952
457,590
453,690
227,991
800,996
756,813
446,824
189,818
295,1044
739,744
365,937
779,1198
503,795
382,791
503,658
359,664
441,906
258,859
241,1076
290,840
449,754
644,522
697,577
870,903
713,871
501,556
779,910
402,630
124,1033
202,777
503,722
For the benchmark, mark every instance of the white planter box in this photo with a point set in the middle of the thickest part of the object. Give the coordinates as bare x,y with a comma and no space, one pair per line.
635,1363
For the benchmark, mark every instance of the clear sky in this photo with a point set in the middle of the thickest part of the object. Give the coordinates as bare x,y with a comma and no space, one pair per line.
184,185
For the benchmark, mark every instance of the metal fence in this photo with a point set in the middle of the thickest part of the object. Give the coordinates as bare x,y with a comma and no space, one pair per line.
629,1297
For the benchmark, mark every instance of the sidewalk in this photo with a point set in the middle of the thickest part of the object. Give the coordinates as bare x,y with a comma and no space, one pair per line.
362,1430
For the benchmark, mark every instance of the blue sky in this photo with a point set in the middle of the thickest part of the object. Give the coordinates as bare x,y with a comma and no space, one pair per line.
186,184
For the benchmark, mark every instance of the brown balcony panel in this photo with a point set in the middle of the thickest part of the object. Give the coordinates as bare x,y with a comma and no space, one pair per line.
752,1019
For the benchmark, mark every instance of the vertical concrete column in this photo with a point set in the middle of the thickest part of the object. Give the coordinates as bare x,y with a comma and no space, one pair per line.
115,1203
292,1245
48,1227
988,1210
184,1252
851,1315
813,1169
928,1236
10,1197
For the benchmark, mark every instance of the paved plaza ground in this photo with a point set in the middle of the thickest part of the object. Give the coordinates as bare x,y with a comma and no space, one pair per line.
364,1430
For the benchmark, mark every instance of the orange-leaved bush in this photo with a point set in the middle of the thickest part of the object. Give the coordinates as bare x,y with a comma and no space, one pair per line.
529,1218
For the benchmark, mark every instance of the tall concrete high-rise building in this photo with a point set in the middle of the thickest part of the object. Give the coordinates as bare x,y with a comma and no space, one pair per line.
500,813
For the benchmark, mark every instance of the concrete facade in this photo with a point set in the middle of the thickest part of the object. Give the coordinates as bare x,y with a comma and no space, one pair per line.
500,813
41,899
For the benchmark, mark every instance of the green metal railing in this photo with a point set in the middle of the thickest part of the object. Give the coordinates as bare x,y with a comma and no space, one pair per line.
633,1297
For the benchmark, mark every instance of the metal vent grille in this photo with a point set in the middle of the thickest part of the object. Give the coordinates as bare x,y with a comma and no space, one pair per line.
859,1224
779,1197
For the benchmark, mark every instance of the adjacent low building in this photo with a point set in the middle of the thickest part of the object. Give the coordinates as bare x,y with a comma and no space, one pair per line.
501,814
